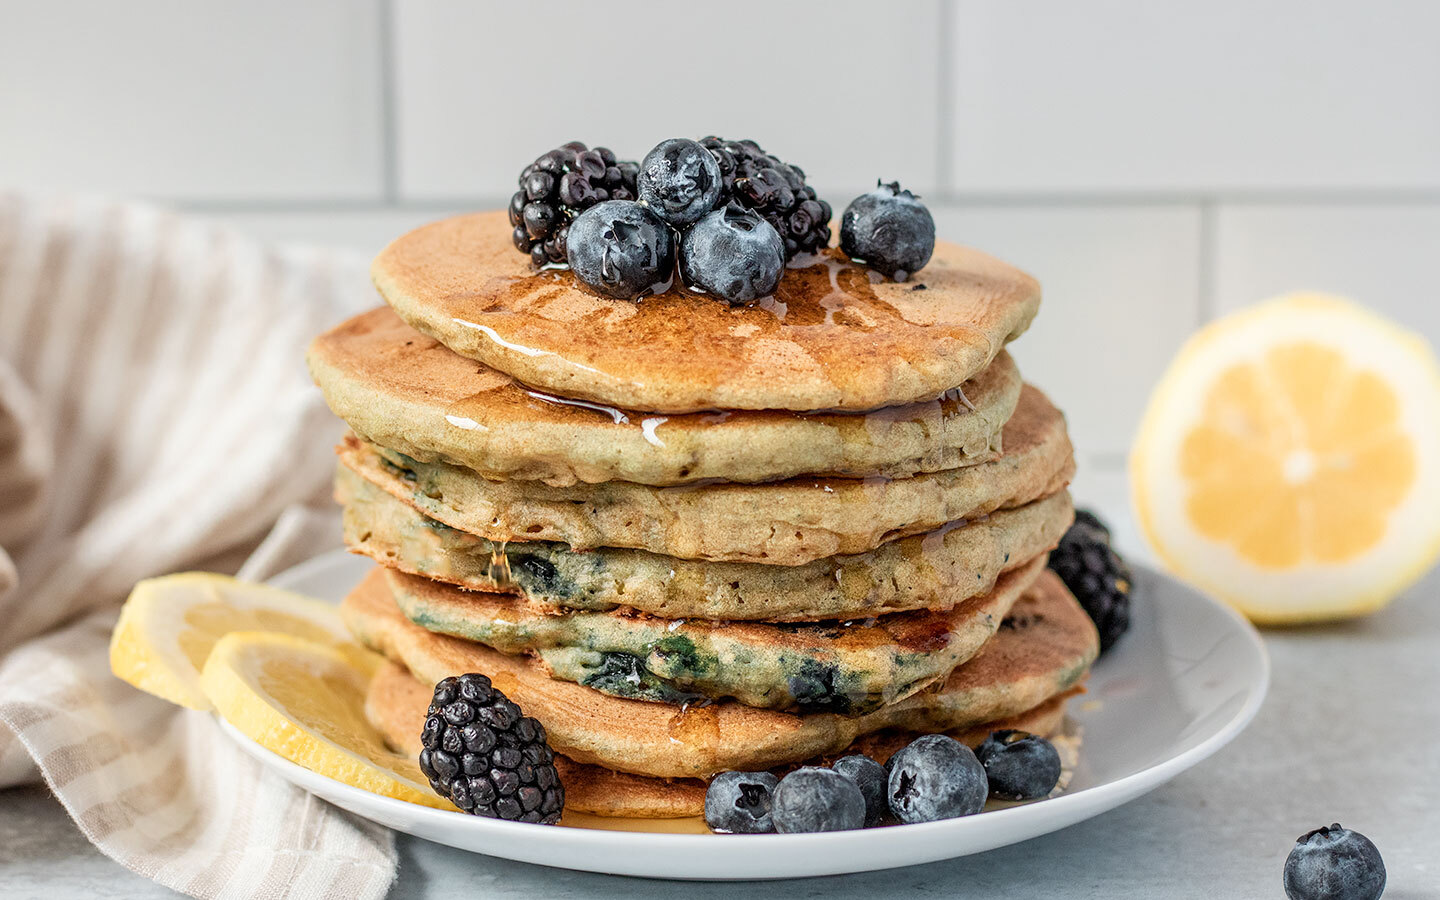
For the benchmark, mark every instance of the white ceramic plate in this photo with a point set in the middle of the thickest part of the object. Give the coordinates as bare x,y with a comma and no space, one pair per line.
1186,680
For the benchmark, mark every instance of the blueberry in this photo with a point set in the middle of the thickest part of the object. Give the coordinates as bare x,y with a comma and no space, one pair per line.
680,181
1334,864
889,230
814,799
734,254
869,776
739,803
622,249
1020,765
936,777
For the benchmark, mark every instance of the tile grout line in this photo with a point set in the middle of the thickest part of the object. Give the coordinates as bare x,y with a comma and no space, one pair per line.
944,98
1205,299
389,136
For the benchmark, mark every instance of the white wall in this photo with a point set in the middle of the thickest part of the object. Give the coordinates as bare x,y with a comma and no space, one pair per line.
1152,163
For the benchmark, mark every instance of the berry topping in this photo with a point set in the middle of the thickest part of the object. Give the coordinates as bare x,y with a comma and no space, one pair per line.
1096,575
739,803
936,777
814,799
889,230
1334,864
1020,765
869,776
733,254
680,181
487,758
557,187
775,190
622,249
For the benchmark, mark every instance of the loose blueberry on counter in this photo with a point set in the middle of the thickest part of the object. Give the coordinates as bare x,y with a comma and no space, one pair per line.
622,249
680,181
814,799
869,777
889,230
936,777
1334,863
734,254
740,803
1019,765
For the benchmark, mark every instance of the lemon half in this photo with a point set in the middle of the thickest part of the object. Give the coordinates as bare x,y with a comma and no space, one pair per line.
1289,460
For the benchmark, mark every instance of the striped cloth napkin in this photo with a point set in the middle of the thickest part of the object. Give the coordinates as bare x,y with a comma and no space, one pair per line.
156,415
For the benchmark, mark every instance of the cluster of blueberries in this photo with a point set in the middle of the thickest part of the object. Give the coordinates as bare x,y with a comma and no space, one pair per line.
629,248
935,777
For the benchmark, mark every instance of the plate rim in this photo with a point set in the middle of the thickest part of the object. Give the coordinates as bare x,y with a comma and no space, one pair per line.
1064,810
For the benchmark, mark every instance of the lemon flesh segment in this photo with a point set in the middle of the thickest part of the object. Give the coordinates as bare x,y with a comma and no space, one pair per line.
305,701
1289,460
168,626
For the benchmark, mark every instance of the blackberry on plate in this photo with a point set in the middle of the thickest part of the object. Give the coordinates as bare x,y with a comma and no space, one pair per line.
1334,863
889,230
1096,575
774,189
486,757
558,186
1019,765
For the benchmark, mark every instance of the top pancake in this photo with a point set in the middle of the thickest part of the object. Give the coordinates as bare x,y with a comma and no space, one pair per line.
406,392
832,337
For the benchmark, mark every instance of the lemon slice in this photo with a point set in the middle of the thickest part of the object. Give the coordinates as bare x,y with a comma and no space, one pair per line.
306,702
1289,460
169,624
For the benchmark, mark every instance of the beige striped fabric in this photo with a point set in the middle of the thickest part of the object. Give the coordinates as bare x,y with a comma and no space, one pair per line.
156,415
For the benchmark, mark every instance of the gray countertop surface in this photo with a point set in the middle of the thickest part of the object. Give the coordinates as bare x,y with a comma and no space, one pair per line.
1349,733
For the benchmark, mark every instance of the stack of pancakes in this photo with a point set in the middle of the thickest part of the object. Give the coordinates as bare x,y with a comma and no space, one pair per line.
691,538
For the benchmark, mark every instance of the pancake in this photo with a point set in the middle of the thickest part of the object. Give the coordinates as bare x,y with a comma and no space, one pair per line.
833,336
785,523
405,391
927,571
396,704
1044,648
849,668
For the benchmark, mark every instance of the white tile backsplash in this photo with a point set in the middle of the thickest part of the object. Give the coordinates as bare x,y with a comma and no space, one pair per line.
847,90
1385,257
202,99
1133,95
1120,294
364,231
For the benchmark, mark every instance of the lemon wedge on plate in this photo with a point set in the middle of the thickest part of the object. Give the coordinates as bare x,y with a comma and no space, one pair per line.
1289,460
305,701
168,626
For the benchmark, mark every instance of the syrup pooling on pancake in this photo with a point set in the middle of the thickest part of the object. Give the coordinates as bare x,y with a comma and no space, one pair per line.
407,392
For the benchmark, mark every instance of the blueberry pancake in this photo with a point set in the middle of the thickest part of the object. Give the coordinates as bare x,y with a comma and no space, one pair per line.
935,570
397,701
1042,649
833,335
784,523
850,667
406,391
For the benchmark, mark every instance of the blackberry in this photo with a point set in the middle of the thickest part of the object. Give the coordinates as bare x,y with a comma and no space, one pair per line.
774,189
487,758
1096,575
557,187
